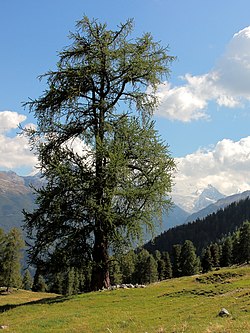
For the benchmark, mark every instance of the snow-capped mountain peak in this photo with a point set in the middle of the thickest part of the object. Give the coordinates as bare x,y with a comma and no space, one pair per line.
198,199
207,196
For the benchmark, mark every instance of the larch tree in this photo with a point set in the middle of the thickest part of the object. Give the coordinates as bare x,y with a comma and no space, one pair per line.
10,266
108,172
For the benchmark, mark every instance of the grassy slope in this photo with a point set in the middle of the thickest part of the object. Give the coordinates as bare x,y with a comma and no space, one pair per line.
177,305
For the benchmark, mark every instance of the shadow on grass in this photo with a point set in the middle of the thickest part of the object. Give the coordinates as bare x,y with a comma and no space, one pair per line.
49,300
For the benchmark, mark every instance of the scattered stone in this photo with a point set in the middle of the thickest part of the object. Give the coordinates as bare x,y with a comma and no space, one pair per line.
224,313
124,286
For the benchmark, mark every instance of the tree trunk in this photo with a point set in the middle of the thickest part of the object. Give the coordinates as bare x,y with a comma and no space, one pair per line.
100,272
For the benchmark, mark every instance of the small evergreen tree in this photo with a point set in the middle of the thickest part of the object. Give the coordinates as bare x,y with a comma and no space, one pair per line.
83,281
150,270
215,254
236,248
160,265
157,255
206,260
27,280
115,272
142,263
189,263
226,252
11,244
76,284
176,260
70,280
2,251
161,268
58,283
127,266
244,242
168,273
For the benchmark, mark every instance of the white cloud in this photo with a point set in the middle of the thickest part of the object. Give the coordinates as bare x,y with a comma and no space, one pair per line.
228,84
180,103
14,150
10,120
226,166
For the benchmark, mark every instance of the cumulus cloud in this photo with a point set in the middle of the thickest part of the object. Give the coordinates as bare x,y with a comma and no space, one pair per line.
225,166
14,149
228,84
10,120
15,152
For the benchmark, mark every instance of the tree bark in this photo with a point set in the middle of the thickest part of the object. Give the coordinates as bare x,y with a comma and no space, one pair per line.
100,272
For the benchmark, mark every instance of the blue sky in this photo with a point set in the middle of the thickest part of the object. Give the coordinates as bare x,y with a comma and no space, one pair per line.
205,112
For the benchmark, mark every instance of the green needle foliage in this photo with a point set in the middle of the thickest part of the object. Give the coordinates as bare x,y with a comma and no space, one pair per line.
27,281
11,245
108,172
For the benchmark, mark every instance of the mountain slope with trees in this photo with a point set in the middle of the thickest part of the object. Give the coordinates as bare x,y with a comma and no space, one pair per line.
204,231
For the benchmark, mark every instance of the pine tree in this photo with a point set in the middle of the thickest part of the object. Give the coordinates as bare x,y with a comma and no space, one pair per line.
150,270
157,255
58,280
76,284
160,265
83,286
2,251
207,260
176,260
115,272
236,248
189,263
244,243
226,253
127,266
70,280
145,268
27,281
215,254
168,273
161,268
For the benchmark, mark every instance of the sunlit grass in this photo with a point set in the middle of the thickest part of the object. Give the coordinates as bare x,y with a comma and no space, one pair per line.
188,304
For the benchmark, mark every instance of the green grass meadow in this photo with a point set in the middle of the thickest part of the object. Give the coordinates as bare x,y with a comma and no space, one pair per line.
188,304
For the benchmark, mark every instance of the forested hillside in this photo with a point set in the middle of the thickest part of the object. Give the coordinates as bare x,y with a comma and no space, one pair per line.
204,231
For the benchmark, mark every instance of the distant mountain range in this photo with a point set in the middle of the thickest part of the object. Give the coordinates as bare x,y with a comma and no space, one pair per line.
195,201
214,207
16,194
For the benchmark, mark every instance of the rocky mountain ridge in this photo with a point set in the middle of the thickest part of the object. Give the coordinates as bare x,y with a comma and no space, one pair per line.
215,206
197,200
